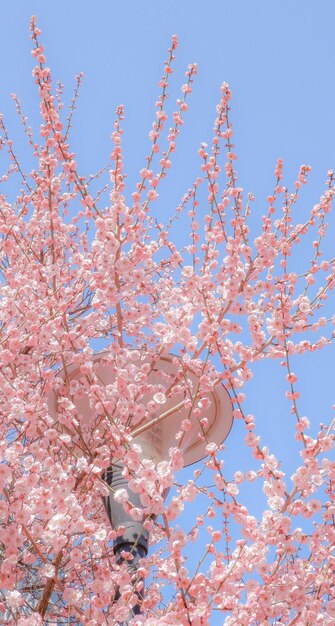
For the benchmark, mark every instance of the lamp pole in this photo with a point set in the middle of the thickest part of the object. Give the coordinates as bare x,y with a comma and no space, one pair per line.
212,425
134,539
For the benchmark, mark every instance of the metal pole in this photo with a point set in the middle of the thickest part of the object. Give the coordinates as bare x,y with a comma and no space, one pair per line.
138,553
135,538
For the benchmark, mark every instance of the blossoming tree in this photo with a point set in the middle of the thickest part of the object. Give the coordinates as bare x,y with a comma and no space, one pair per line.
88,267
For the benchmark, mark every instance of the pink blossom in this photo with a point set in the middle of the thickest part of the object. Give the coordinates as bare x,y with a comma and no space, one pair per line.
121,496
96,294
159,398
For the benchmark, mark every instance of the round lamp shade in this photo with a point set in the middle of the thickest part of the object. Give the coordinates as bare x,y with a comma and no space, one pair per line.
209,419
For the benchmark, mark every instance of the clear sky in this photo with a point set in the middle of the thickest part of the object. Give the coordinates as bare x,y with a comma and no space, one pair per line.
279,59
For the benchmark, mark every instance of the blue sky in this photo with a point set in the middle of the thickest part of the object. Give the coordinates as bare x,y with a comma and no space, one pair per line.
278,58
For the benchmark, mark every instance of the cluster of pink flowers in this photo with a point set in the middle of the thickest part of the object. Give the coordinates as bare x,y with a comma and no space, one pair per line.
75,272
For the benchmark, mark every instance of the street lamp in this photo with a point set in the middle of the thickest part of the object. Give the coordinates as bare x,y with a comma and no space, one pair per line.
208,420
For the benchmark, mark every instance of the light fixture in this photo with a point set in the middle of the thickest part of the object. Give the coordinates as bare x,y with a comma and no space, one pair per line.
189,422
